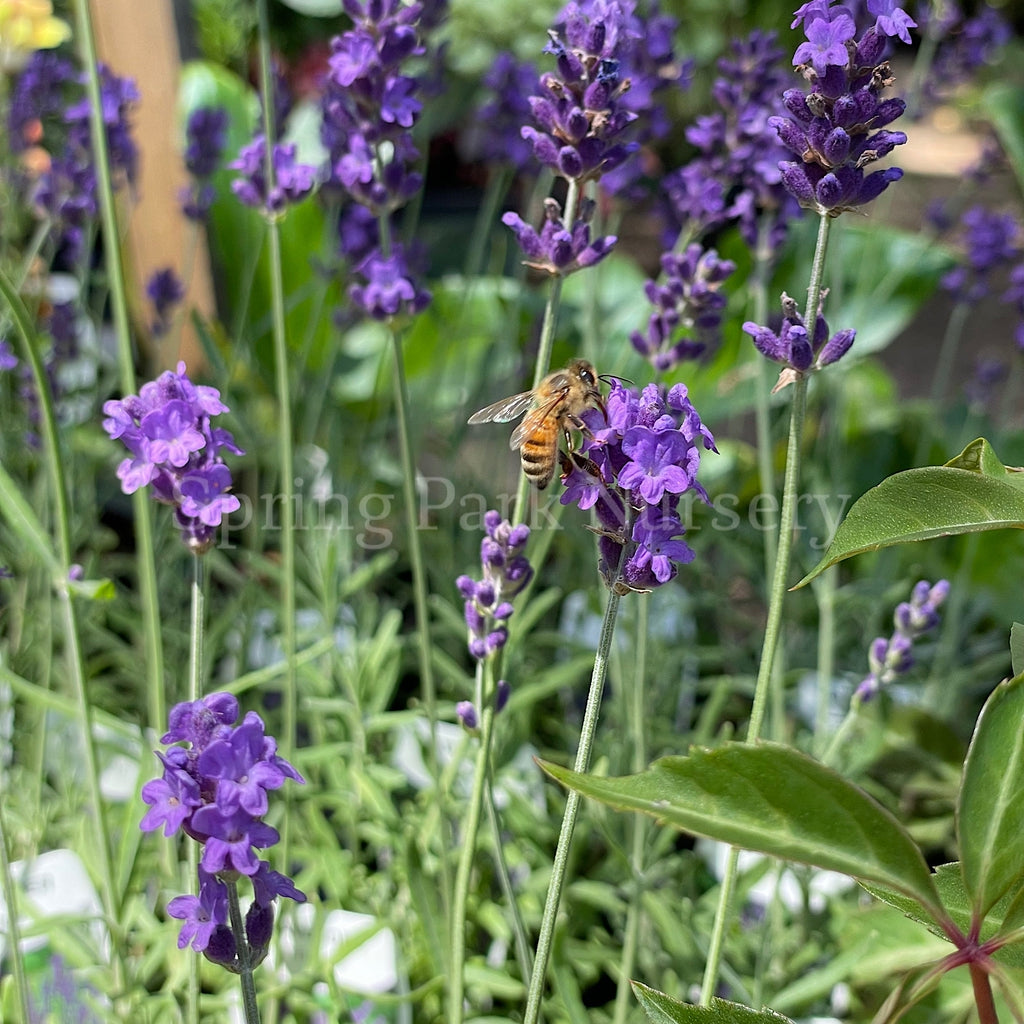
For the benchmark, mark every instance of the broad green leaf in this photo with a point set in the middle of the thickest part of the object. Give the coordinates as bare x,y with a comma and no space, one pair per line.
990,809
935,501
1017,648
956,901
663,1009
774,799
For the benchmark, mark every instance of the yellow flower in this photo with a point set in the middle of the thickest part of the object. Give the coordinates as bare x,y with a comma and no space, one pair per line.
30,25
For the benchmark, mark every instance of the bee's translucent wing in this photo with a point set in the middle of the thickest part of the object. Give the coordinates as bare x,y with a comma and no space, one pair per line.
505,410
533,420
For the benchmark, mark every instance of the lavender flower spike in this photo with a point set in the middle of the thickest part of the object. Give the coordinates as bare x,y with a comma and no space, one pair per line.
889,659
172,445
506,570
839,128
215,791
798,351
633,470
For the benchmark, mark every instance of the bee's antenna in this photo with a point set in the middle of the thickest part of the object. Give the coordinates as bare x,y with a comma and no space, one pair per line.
609,377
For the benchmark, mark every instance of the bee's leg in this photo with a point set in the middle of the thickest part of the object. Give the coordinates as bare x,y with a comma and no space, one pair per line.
579,425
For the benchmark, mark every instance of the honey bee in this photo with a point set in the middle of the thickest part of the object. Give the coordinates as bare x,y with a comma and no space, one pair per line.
553,406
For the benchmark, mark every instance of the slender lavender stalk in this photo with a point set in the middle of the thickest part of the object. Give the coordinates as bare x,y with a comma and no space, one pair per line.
215,791
633,469
836,130
488,607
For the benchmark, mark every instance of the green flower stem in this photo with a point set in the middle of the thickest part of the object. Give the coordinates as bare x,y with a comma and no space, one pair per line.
524,955
638,822
944,365
12,939
825,594
244,954
419,571
141,509
773,627
547,337
560,866
497,187
841,735
284,424
470,828
76,668
195,667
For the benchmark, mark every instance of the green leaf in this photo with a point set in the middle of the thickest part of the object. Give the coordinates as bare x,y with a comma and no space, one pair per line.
974,492
662,1009
990,808
1004,103
774,799
1017,648
956,901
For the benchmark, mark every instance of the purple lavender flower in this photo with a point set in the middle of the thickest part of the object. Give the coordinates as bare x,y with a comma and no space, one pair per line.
467,714
506,570
555,249
292,181
840,126
633,468
687,307
891,658
963,45
494,134
167,430
50,109
735,176
165,290
8,360
798,351
991,240
40,95
369,107
649,64
389,288
581,123
205,138
215,791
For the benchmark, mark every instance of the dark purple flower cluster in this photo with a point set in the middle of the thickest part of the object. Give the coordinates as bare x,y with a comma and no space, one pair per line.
796,349
991,241
390,288
369,105
494,134
555,249
964,44
890,658
633,469
369,108
689,299
506,570
839,128
49,108
8,360
581,121
736,174
292,181
205,138
167,429
648,62
215,791
165,290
